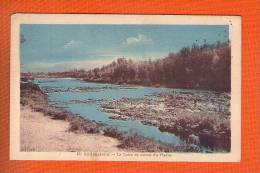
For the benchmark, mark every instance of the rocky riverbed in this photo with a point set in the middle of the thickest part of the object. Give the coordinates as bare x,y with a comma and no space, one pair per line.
198,118
33,98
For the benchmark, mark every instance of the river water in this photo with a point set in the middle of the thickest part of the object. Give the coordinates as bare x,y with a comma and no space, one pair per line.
84,98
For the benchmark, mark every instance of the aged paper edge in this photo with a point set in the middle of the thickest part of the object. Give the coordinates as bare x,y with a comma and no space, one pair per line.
234,23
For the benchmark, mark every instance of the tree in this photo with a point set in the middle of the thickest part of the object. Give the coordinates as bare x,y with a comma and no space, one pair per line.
206,66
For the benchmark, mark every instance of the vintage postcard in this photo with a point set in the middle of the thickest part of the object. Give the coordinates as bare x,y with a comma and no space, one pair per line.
125,87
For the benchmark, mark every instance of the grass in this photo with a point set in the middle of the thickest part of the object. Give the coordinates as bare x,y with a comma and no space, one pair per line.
32,96
138,143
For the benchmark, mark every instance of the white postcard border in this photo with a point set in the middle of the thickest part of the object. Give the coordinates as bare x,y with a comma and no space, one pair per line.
234,23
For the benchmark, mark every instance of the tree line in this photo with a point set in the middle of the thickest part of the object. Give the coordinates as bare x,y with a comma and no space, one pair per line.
206,66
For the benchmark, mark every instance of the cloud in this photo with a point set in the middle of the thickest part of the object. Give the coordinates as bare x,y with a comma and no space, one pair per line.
139,39
72,44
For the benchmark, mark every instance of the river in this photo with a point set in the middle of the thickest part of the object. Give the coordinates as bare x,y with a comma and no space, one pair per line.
84,98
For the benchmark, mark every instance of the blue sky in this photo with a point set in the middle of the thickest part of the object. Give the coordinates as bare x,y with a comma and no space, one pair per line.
64,47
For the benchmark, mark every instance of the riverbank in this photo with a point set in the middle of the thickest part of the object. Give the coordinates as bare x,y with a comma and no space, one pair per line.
50,128
46,128
198,119
41,133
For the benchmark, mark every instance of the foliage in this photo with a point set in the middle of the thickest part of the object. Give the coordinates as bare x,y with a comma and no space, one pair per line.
206,66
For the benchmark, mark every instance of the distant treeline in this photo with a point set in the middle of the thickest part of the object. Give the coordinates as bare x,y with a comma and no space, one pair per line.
198,67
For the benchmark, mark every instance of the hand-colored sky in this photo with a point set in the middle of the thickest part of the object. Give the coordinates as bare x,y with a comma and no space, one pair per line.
64,47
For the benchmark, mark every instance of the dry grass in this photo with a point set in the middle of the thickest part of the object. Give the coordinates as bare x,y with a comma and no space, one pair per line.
48,128
138,143
42,133
209,118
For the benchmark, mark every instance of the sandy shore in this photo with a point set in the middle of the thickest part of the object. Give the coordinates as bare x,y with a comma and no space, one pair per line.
41,133
49,128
